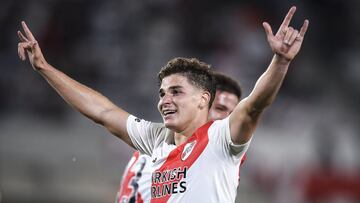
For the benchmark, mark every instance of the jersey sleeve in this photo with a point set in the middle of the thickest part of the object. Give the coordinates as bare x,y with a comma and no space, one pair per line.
143,134
219,134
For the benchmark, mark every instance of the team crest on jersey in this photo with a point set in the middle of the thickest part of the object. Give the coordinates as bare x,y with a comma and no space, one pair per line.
187,150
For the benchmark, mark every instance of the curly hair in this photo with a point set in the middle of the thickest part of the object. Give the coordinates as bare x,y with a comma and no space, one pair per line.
198,73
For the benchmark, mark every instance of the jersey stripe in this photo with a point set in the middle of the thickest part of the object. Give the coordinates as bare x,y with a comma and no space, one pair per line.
163,188
125,191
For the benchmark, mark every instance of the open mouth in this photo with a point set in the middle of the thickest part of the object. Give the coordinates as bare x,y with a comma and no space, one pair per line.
168,113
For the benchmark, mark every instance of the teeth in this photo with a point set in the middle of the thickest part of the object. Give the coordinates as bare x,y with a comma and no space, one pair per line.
166,112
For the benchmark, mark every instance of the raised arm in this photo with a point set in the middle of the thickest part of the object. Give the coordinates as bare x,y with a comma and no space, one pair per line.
285,44
84,99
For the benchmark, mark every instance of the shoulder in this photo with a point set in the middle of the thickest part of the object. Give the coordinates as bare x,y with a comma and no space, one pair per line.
219,126
144,125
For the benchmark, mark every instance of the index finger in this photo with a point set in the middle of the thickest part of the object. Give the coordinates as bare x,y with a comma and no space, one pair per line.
28,33
288,18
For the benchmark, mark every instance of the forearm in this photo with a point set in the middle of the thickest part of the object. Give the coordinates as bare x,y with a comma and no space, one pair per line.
84,99
246,115
285,44
268,85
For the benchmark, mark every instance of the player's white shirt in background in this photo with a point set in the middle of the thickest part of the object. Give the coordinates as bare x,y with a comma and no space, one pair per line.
136,180
203,169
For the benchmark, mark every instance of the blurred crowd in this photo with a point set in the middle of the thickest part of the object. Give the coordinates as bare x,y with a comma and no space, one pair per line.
305,149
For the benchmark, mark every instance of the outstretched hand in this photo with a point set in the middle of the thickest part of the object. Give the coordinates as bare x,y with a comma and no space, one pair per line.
287,41
29,44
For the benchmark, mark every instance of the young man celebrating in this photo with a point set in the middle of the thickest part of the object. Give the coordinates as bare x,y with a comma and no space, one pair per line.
193,160
136,180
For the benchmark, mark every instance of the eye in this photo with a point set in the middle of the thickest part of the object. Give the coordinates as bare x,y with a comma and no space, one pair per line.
161,94
220,108
175,92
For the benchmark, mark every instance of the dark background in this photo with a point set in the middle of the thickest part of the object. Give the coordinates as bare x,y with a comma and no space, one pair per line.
304,150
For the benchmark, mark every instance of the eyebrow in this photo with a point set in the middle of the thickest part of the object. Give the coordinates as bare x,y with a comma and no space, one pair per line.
172,88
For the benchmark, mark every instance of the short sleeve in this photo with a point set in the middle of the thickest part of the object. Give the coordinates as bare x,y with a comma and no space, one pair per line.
143,134
220,138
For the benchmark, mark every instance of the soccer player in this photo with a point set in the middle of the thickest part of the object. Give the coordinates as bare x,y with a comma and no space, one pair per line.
193,160
227,96
136,180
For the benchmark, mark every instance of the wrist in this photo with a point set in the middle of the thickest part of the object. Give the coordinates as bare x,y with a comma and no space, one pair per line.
42,65
281,59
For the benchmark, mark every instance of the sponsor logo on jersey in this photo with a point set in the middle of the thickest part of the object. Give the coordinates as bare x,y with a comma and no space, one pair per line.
168,182
187,150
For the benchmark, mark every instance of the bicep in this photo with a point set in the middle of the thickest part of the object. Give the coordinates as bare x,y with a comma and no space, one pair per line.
115,120
243,121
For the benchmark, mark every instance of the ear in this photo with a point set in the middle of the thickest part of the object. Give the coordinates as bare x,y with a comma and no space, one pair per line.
205,99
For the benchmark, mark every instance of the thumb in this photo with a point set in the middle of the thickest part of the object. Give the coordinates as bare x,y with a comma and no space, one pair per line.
34,46
268,30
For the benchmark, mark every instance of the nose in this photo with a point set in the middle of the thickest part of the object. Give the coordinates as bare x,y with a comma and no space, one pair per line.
166,99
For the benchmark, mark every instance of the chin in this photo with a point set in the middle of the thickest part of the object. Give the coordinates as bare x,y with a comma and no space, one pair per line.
171,125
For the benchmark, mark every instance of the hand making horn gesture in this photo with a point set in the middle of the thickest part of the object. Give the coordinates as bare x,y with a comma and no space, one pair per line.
287,41
31,46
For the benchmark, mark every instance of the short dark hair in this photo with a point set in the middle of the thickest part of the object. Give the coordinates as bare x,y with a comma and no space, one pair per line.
226,84
198,73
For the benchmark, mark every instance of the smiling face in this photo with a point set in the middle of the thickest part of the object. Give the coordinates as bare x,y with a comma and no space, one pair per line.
182,105
224,103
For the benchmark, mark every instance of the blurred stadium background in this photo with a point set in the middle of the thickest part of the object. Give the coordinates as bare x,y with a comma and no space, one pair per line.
306,149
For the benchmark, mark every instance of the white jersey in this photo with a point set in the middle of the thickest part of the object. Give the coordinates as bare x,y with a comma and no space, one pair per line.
203,169
136,180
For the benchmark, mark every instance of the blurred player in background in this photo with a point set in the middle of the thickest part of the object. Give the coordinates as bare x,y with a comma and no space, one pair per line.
193,159
227,96
136,180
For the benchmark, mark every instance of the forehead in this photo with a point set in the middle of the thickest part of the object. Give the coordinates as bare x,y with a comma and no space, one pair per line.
175,80
224,98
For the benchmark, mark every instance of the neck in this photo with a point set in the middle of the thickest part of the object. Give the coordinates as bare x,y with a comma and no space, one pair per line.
180,139
183,136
